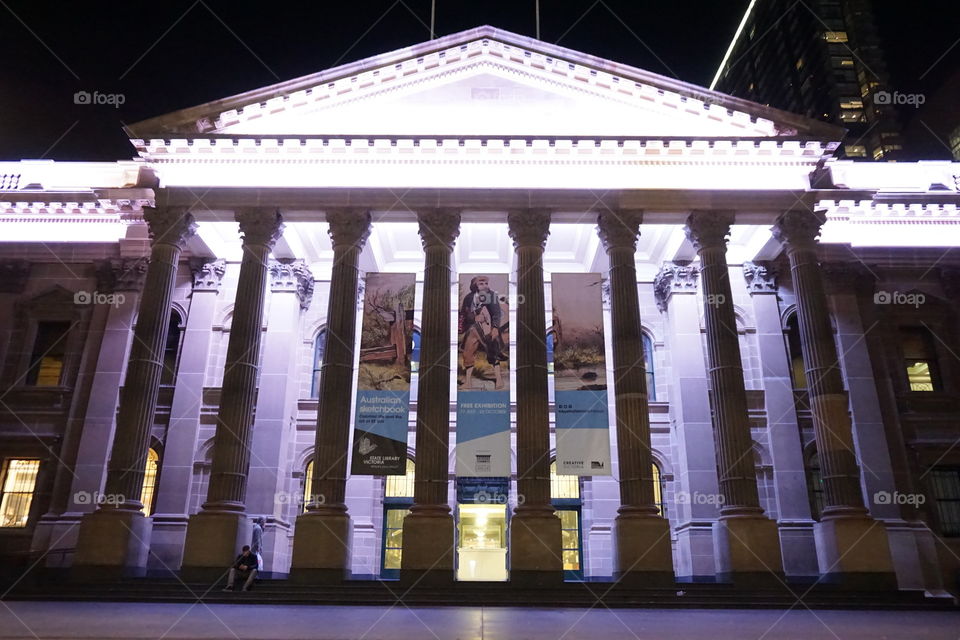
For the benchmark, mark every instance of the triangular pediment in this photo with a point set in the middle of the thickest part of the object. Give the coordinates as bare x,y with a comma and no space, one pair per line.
484,82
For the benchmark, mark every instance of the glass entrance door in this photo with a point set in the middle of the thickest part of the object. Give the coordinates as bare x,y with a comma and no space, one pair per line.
482,542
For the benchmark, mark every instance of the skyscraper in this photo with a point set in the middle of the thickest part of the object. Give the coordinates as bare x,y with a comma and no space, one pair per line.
822,59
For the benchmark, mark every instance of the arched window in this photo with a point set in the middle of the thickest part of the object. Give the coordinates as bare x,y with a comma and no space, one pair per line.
415,351
565,496
798,373
149,491
658,490
815,486
920,359
398,498
318,346
171,351
648,367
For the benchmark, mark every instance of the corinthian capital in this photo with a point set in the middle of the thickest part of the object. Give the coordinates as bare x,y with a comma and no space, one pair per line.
529,227
350,227
207,273
292,277
761,277
798,228
169,225
708,229
619,229
439,227
260,225
122,274
673,278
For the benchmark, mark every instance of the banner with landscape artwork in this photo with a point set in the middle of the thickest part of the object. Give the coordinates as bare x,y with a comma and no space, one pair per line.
383,382
580,375
483,377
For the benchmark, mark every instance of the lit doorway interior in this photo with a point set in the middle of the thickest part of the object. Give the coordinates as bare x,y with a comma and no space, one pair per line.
565,497
398,498
482,529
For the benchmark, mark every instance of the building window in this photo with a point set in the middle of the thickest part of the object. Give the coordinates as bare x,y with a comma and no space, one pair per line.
920,359
565,496
149,491
415,351
835,36
47,358
318,346
658,490
945,482
19,482
307,483
815,486
171,351
648,367
398,498
798,373
853,150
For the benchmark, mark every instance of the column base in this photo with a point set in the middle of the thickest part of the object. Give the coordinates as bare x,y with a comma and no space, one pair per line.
747,551
535,549
113,543
321,548
854,552
428,550
214,539
644,554
167,542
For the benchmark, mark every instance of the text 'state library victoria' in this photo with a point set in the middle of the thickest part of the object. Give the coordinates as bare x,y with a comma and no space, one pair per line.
484,309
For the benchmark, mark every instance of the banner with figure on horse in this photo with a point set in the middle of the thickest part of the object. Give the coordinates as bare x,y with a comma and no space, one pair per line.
483,377
383,382
580,375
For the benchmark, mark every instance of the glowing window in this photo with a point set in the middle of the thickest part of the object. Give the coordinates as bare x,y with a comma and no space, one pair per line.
855,151
19,482
851,103
307,484
402,486
149,490
658,490
47,358
835,36
563,487
648,367
920,357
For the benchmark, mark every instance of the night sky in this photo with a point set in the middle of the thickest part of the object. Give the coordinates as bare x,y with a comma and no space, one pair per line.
171,54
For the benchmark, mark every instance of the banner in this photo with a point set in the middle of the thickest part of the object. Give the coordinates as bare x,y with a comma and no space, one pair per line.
483,377
580,376
383,382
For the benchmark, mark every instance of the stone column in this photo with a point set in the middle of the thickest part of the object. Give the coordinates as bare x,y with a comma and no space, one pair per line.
216,533
786,449
644,554
176,471
321,544
428,536
695,467
291,290
535,529
747,543
116,537
852,547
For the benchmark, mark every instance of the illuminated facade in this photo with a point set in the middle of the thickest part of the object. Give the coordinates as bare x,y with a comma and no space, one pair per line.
166,378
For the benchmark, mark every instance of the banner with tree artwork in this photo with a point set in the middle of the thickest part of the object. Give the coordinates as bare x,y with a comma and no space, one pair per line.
383,382
580,375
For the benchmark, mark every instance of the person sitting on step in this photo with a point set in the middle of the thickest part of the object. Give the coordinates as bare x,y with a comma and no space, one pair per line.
246,566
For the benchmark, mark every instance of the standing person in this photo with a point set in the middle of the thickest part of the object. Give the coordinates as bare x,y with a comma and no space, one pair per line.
245,566
256,542
480,320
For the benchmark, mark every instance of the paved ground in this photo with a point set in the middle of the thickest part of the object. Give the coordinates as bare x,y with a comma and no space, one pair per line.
104,620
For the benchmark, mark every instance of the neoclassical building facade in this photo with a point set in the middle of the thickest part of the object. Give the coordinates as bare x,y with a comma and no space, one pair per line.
180,334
